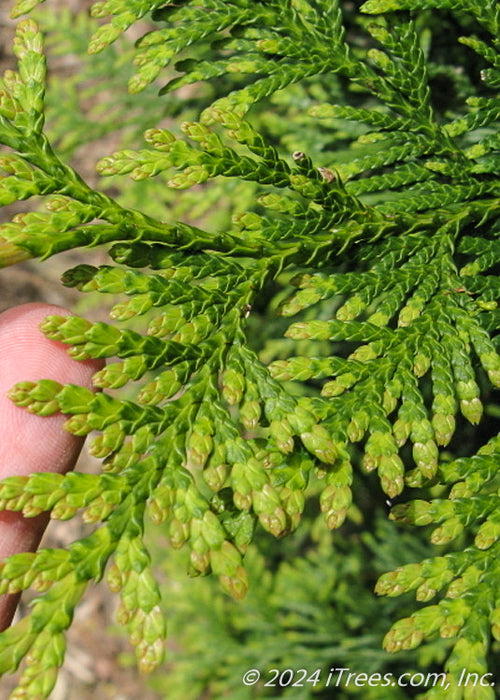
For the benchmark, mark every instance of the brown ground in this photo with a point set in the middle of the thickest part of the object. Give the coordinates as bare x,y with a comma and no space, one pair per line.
91,670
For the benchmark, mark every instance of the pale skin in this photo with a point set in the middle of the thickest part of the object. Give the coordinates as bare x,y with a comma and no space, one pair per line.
30,443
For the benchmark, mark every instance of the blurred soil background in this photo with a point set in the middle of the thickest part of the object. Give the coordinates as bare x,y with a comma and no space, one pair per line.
92,670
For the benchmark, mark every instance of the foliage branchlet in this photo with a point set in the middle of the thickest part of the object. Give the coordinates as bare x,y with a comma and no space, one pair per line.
383,243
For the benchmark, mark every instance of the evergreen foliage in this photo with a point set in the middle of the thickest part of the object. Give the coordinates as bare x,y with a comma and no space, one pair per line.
313,610
370,220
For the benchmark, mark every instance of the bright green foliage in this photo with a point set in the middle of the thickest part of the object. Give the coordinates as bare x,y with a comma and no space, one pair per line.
314,612
376,231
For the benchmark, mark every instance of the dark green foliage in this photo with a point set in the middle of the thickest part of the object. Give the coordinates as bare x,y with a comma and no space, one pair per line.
369,214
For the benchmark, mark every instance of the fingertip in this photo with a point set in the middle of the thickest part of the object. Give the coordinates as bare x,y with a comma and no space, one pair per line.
26,350
36,443
31,443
